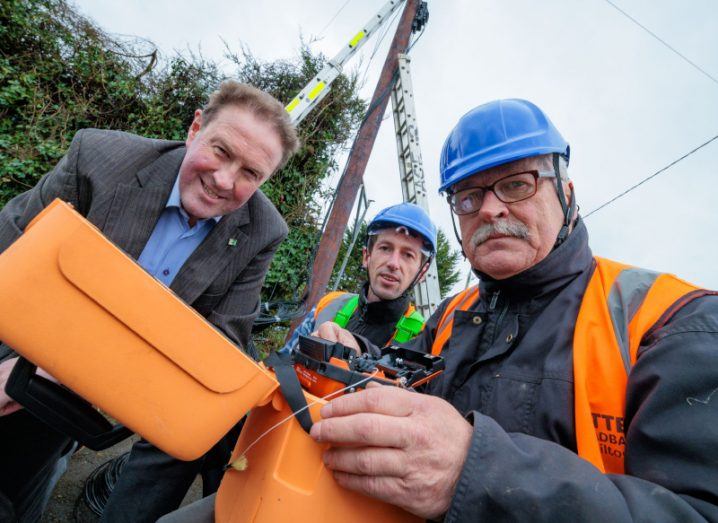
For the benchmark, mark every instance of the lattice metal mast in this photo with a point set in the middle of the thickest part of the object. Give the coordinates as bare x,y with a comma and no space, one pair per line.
411,170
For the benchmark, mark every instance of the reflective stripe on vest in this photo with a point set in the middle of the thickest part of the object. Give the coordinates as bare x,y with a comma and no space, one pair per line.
330,305
621,305
333,304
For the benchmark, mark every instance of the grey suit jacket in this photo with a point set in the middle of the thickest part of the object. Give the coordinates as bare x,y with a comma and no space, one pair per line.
121,183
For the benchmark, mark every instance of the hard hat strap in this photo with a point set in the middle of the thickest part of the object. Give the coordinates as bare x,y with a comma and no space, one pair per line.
418,275
456,233
567,208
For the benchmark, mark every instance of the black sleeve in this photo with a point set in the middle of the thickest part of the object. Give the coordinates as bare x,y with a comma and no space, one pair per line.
671,446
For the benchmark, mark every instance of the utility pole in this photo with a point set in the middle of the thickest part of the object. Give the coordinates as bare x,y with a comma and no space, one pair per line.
356,164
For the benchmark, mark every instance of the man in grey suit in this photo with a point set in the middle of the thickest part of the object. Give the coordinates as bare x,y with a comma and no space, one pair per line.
192,215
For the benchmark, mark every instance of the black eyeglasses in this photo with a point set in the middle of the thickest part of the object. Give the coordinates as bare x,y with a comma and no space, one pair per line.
509,189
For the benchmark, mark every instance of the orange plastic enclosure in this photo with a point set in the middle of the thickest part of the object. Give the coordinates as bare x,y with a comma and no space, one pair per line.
319,385
77,306
285,478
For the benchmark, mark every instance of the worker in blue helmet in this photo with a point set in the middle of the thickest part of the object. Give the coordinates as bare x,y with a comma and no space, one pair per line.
400,244
500,136
575,388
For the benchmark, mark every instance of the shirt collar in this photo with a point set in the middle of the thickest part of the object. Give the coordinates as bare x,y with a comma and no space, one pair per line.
174,201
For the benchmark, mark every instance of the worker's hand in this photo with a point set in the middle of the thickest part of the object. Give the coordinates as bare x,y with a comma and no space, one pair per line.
332,332
7,404
398,446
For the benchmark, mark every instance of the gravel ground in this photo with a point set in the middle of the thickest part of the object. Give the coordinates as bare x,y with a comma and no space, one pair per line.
66,505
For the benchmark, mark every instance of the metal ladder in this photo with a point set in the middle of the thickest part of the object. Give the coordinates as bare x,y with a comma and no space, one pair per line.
411,170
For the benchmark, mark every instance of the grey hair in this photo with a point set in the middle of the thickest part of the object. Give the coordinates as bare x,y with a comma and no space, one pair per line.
545,161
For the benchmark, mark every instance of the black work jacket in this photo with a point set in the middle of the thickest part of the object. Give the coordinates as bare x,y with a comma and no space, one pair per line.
509,369
377,320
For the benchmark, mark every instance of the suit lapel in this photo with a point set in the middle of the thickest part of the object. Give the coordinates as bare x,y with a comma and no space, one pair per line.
136,209
134,213
212,256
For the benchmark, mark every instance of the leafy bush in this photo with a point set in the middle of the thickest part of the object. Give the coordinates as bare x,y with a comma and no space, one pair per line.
59,73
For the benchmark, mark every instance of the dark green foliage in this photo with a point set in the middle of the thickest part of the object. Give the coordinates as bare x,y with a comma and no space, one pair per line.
447,260
60,73
354,274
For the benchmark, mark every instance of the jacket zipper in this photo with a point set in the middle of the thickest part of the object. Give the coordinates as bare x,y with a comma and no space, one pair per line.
494,299
500,319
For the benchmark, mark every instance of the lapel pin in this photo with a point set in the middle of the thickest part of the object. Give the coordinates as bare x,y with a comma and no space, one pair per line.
232,242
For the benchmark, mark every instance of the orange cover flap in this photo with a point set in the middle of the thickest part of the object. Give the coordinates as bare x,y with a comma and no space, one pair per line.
145,306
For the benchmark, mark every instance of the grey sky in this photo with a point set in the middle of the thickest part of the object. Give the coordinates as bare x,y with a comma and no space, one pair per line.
627,105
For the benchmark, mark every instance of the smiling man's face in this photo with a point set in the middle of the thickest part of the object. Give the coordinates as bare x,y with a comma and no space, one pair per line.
227,160
504,239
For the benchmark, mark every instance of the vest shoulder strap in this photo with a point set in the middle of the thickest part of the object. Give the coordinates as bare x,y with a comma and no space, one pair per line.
330,305
327,299
408,326
344,314
462,301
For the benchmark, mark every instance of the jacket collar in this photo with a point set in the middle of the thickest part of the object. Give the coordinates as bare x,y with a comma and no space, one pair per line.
382,311
557,269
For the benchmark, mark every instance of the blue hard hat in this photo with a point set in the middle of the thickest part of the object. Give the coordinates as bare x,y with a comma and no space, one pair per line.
408,215
496,133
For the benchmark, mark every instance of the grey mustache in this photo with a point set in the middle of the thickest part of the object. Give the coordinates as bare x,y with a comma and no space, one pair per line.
503,227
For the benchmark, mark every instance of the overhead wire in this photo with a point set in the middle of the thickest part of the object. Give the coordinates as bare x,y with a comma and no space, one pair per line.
389,24
661,40
412,44
692,64
321,33
664,169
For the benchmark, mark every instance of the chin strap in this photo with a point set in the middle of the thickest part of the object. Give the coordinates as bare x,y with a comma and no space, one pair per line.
568,209
425,265
456,233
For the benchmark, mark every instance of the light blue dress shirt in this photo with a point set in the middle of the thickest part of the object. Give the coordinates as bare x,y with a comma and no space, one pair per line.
173,240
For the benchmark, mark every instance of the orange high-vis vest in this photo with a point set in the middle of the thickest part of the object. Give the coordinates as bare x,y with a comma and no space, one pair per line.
622,305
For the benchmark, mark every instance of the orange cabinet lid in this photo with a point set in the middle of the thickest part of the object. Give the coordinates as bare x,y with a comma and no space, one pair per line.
142,304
